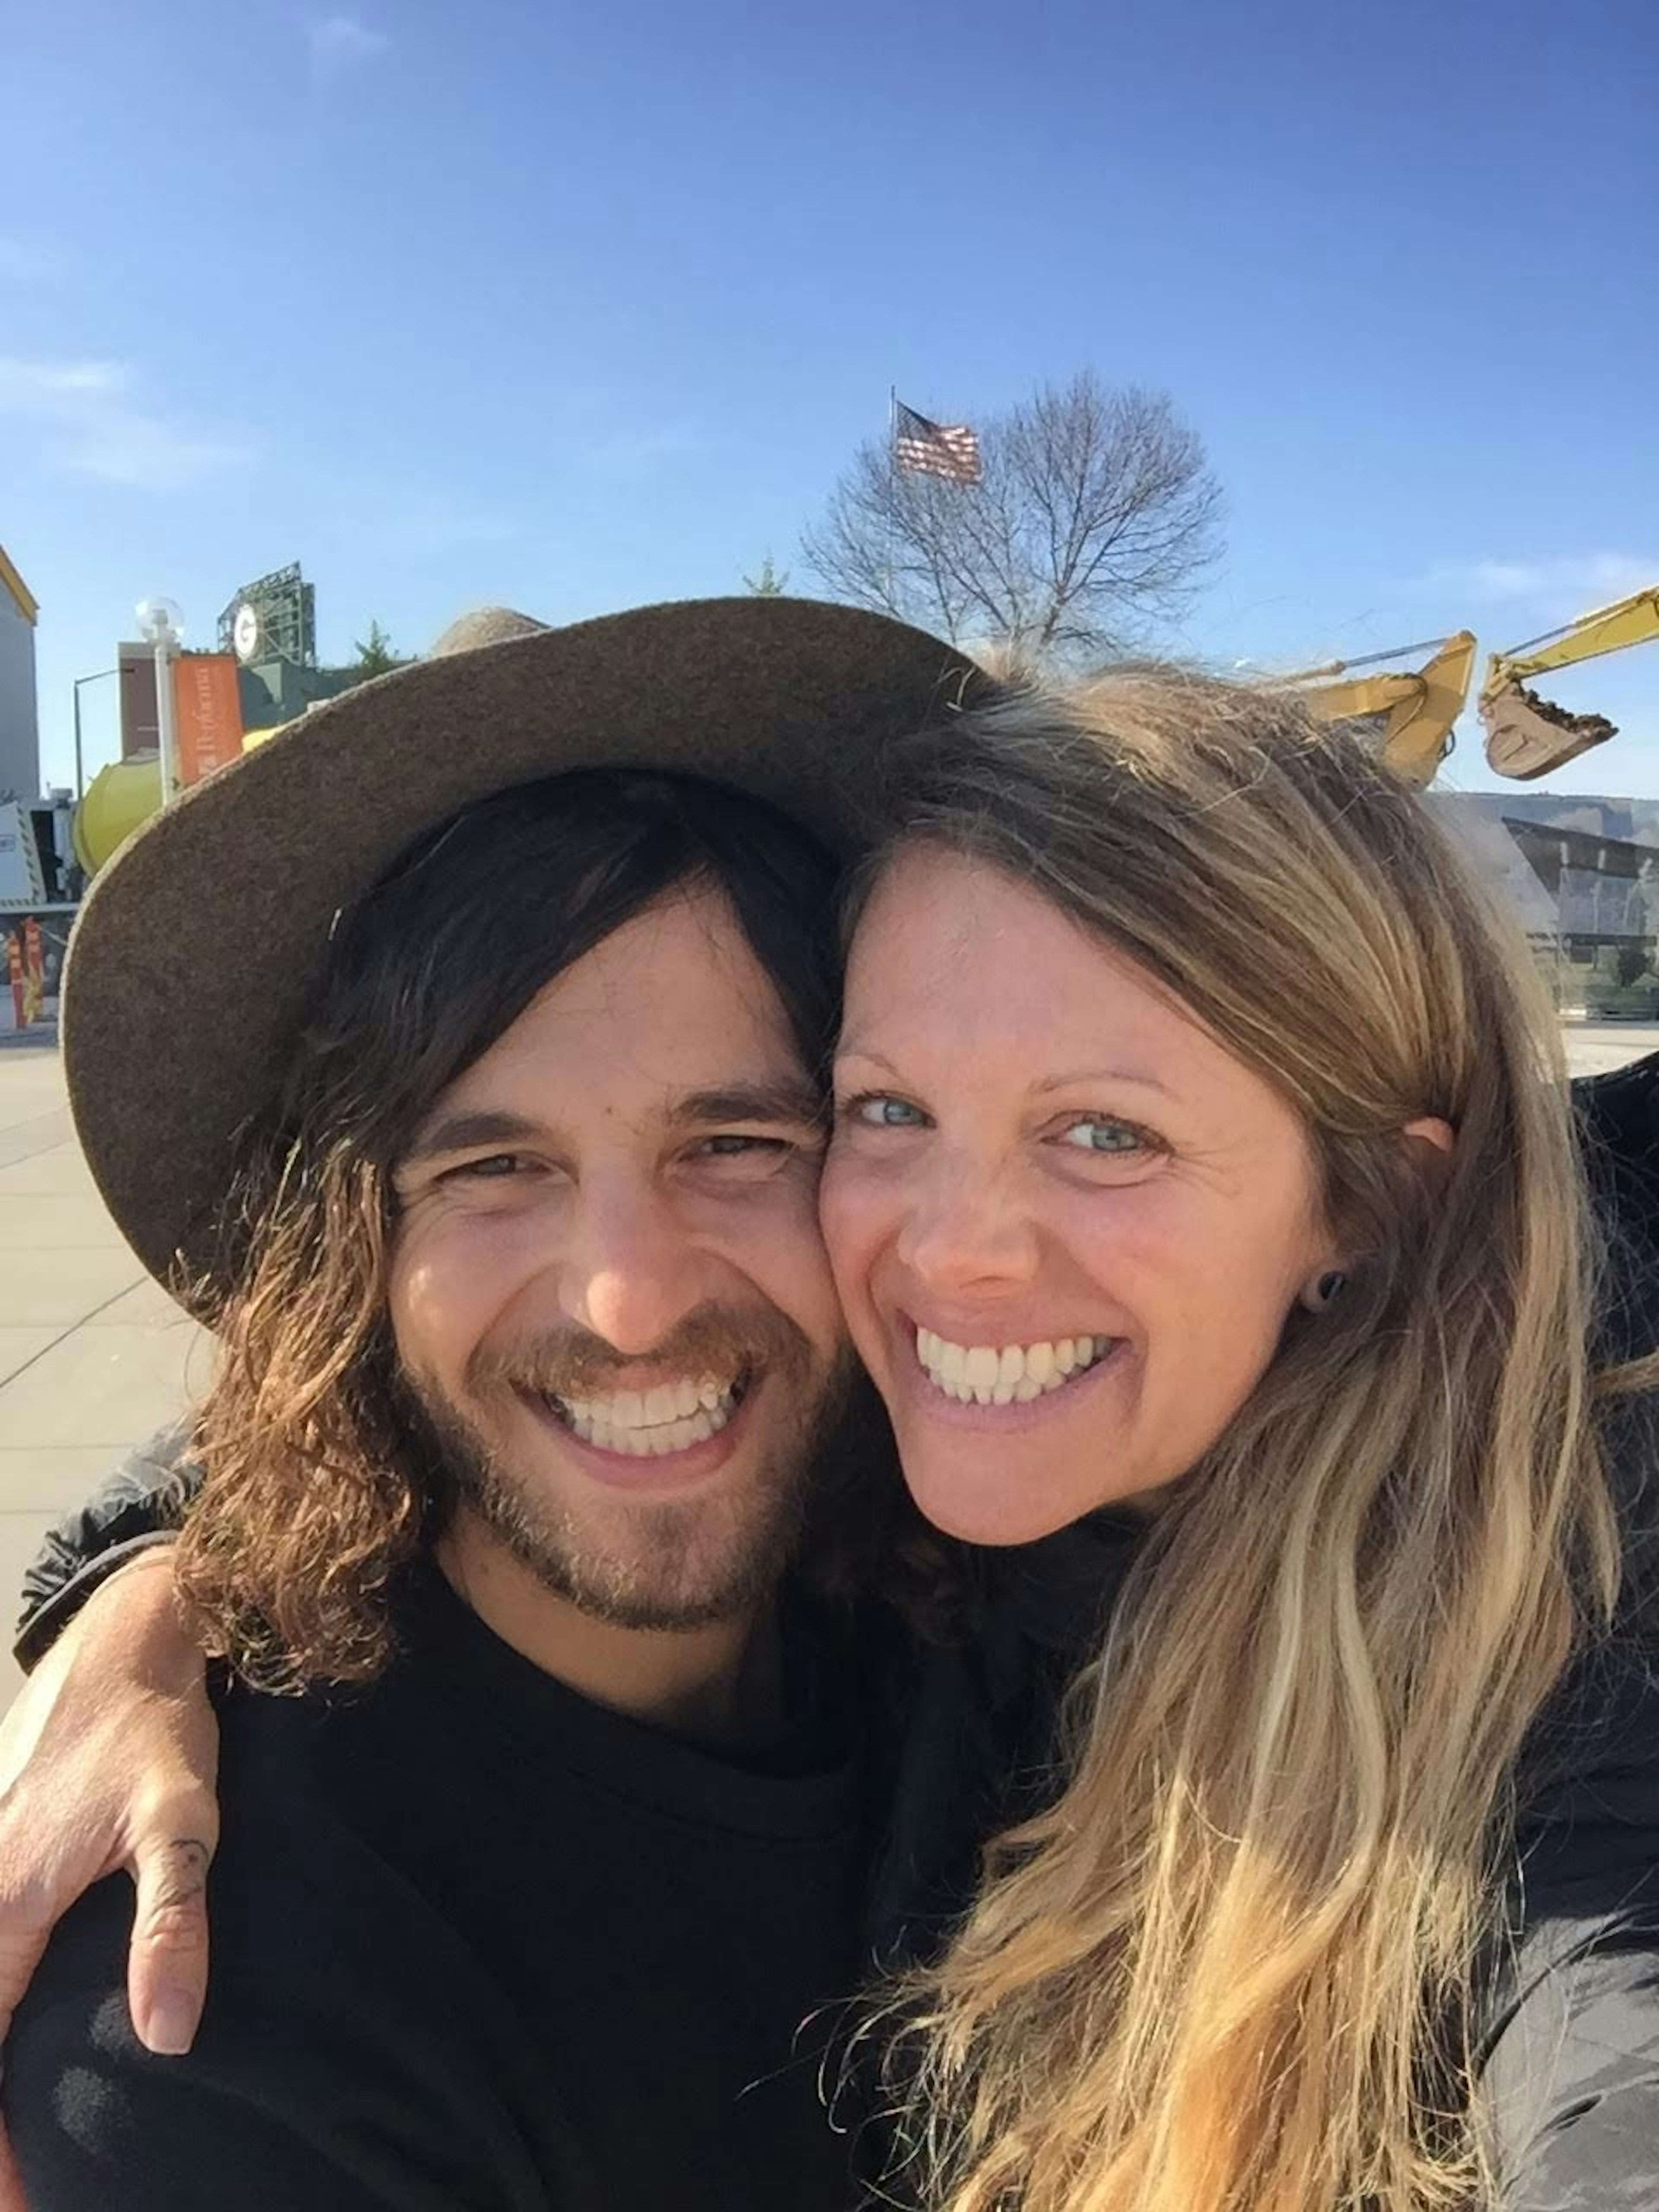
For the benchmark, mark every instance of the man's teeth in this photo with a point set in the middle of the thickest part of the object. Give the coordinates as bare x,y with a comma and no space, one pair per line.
645,1424
983,1375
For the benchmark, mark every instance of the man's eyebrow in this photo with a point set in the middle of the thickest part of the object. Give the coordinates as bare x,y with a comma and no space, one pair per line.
782,1101
464,1132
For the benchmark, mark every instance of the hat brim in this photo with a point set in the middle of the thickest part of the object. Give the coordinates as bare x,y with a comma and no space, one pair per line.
201,946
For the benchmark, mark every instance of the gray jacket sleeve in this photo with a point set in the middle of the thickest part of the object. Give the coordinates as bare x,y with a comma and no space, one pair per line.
139,1504
1572,2074
1571,2042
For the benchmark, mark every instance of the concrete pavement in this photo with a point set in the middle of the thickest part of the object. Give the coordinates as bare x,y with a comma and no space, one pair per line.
94,1357
1596,1048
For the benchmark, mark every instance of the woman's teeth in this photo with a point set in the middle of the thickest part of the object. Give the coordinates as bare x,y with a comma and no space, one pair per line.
648,1423
983,1375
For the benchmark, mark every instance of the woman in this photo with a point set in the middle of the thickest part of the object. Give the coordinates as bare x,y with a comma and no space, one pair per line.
1203,1184
1177,1051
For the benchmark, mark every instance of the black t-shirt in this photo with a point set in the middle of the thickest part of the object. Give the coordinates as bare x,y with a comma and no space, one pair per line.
477,1943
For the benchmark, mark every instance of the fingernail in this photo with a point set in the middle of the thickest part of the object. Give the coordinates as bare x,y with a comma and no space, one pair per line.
171,2027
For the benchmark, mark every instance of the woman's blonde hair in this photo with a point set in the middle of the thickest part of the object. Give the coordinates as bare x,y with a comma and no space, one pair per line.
1234,1968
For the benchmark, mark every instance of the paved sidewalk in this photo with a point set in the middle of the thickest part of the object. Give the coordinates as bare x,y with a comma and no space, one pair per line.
1596,1048
94,1357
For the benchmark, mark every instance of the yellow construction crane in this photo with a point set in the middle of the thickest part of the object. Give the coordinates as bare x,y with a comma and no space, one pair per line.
1412,708
1526,736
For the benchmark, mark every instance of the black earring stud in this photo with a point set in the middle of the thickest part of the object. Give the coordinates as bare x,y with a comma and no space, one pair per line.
1331,1285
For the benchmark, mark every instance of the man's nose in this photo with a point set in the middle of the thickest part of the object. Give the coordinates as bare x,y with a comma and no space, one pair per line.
966,1229
630,1273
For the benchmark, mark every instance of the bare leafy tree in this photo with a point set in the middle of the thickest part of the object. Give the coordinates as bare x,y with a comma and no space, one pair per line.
1097,513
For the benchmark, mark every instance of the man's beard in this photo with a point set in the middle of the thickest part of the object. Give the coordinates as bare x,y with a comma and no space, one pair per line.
671,1564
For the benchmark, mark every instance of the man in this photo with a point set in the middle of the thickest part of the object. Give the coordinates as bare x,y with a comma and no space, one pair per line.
500,1188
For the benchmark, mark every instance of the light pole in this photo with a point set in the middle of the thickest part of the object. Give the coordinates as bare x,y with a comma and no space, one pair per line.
96,678
162,624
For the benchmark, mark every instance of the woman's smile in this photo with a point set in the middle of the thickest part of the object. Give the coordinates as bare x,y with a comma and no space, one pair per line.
1011,1374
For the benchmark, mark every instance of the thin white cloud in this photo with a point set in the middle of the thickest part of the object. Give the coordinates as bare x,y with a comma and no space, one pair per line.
1583,578
43,383
124,447
340,43
642,452
424,531
92,428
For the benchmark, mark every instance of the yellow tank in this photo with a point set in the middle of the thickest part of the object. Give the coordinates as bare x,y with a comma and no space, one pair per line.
118,800
121,799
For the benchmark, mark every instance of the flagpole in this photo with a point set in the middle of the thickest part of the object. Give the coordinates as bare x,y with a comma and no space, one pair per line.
892,483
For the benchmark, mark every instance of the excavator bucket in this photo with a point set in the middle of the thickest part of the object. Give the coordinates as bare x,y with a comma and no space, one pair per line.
1526,736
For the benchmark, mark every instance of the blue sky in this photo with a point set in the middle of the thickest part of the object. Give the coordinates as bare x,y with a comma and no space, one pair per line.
574,305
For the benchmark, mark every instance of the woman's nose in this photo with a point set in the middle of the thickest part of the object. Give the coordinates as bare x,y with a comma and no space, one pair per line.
966,1229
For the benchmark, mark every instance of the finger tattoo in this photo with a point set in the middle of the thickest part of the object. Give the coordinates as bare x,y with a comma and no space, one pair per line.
184,1863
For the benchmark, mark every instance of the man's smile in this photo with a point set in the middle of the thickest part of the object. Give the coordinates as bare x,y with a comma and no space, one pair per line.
666,1417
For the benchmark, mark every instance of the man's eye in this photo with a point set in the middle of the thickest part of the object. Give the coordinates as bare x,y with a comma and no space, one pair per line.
494,1168
742,1156
1099,1132
879,1110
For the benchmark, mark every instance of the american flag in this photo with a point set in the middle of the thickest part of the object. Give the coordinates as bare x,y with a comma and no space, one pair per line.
934,449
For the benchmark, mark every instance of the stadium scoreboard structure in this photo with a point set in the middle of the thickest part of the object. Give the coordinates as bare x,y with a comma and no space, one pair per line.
273,618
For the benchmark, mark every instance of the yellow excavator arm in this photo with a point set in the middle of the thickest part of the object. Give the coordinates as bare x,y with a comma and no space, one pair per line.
1414,709
1527,735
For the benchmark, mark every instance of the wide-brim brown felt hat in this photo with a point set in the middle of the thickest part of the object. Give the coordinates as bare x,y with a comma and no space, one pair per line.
201,946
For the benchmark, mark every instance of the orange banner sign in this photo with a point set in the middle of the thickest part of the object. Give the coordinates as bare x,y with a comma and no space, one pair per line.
208,713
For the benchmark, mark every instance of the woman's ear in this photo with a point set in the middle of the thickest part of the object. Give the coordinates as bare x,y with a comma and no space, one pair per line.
1324,1289
1430,1143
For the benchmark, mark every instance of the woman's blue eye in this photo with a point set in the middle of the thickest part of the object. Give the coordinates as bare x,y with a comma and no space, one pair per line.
881,1112
1093,1135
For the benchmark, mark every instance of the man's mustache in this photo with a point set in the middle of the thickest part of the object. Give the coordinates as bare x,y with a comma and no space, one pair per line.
720,1341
